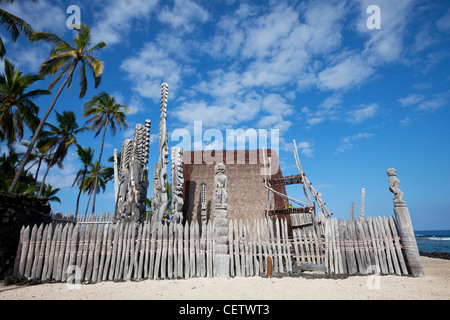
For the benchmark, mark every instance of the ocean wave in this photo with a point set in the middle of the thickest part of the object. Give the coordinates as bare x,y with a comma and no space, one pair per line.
439,238
433,238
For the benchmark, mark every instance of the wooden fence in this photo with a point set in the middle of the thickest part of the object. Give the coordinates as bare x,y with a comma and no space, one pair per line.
99,251
82,219
367,245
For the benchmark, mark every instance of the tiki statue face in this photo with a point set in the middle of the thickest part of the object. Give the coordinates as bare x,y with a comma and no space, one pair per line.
219,168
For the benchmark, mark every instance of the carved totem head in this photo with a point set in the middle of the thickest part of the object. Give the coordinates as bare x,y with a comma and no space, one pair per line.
391,172
219,168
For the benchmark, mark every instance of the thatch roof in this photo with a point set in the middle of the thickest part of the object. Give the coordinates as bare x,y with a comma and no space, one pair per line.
246,190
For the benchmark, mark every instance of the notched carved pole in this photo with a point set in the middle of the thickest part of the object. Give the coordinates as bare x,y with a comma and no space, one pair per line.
222,259
177,184
405,227
133,175
203,202
160,188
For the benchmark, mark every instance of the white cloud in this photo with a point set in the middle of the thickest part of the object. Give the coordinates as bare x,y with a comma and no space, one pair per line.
276,48
229,38
149,69
437,101
422,103
184,14
62,178
276,104
135,105
27,60
305,147
386,44
42,16
348,73
348,143
223,84
329,109
115,21
411,100
362,113
324,24
268,32
211,115
274,122
270,111
225,113
443,24
382,46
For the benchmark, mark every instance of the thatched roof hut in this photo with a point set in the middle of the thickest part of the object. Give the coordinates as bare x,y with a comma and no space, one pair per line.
247,196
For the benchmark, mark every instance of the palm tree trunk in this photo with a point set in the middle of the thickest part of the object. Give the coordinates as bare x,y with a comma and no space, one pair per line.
51,164
43,181
37,171
38,131
98,168
79,193
89,201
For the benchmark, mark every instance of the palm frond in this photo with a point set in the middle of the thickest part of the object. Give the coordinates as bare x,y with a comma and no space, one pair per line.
83,80
54,64
95,48
49,37
14,25
95,64
83,38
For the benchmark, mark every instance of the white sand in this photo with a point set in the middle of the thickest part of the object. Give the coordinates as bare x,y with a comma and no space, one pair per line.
435,285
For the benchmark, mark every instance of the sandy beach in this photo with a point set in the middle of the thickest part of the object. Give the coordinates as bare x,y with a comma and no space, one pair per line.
434,286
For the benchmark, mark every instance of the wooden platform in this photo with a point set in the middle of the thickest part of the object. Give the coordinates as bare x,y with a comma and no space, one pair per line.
295,179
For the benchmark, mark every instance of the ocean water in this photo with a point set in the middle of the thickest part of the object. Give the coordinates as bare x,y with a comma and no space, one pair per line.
433,240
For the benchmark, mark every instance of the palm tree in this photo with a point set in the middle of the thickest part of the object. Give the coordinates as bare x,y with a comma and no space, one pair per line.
95,181
49,193
16,105
13,25
60,138
8,164
104,111
65,58
86,156
38,155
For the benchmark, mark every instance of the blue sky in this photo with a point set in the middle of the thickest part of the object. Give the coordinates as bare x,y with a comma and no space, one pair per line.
356,100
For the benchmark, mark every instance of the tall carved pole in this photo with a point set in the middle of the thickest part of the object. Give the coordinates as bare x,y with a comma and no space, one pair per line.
405,227
161,165
203,202
116,176
133,175
177,184
222,259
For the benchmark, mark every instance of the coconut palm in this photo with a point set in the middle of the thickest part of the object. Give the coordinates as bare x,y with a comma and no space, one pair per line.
8,164
13,25
60,138
48,192
86,155
95,181
38,155
104,111
16,105
65,58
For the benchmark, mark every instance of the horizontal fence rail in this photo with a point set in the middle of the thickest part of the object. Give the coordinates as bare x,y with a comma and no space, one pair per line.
94,251
56,217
